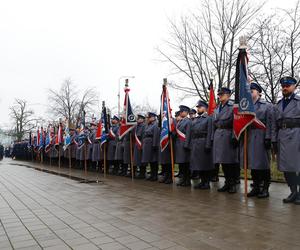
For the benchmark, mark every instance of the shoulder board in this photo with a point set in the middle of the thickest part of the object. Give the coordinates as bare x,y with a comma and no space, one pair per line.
205,115
262,101
230,103
297,97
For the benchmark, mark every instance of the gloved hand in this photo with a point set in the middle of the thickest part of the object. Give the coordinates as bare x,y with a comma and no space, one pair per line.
234,142
267,144
275,147
207,150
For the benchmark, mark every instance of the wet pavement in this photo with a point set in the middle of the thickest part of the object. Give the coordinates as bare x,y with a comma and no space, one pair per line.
40,210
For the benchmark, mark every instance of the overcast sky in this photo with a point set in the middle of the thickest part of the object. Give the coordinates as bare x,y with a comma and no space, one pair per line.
93,42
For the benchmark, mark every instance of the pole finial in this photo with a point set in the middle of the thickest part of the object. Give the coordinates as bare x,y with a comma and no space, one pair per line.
103,103
165,81
126,82
243,42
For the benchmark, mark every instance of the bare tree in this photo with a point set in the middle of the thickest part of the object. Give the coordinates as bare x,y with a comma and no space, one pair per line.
268,56
22,117
275,50
68,103
64,103
203,45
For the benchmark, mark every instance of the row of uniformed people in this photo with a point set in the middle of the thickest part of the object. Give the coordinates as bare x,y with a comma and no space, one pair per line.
204,142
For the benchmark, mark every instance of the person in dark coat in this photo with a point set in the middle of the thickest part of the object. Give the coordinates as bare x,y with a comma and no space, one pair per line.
137,150
259,145
96,153
286,143
150,145
112,143
225,145
182,145
192,114
119,153
201,144
126,154
165,159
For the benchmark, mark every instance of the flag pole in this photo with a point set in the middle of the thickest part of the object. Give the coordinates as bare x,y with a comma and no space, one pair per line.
165,82
85,161
130,143
131,156
70,159
104,159
246,161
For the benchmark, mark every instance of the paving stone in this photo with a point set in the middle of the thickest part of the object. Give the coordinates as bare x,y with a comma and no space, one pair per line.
60,213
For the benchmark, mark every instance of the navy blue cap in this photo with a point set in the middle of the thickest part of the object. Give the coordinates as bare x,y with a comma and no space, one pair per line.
151,114
140,116
192,111
183,108
256,86
177,113
202,104
115,118
224,90
288,80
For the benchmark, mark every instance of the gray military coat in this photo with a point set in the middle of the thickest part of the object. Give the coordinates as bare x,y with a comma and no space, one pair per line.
119,148
126,146
112,143
223,150
96,151
288,139
182,147
201,132
150,143
137,152
258,155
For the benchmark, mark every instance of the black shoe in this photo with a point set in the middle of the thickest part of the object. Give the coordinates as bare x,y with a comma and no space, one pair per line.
168,181
297,200
160,173
232,189
254,192
203,186
238,181
292,197
186,184
264,193
181,181
225,188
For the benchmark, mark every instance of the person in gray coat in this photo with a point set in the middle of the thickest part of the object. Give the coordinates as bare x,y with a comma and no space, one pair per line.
112,144
201,144
126,154
165,159
286,139
150,145
119,153
182,145
259,145
137,150
95,148
225,145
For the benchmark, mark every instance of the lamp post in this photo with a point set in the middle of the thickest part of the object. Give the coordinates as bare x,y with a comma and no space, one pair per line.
120,78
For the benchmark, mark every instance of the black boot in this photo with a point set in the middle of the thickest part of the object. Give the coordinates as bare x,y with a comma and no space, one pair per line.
225,188
293,195
155,172
264,191
232,188
255,189
142,173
